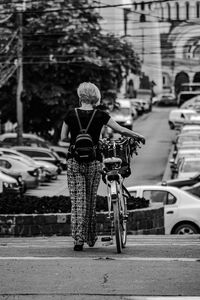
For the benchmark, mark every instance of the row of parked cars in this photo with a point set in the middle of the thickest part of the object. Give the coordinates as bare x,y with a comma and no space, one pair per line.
27,166
180,195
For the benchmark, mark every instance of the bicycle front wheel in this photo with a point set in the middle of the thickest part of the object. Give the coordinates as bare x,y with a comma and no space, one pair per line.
118,227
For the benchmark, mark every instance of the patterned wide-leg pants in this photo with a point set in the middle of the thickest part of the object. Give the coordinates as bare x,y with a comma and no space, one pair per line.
83,181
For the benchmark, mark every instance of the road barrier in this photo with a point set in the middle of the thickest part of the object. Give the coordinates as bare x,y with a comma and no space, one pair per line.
140,221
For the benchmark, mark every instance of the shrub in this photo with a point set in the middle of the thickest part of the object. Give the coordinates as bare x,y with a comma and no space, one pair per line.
56,204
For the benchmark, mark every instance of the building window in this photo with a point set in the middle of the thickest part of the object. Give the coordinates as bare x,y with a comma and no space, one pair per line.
142,5
187,6
169,11
177,11
135,6
164,80
162,13
198,9
142,18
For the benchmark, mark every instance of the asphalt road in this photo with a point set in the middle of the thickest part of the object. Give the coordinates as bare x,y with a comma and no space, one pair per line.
48,268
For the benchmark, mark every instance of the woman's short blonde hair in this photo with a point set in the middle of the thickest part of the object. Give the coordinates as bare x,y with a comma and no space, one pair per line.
88,93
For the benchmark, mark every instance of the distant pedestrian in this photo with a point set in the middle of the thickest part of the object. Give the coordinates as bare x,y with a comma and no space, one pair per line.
84,177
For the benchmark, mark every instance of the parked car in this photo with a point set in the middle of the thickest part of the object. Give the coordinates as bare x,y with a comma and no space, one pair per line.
16,175
190,128
181,209
10,139
177,117
193,103
144,103
8,185
182,153
137,106
123,114
166,99
30,175
62,153
186,145
47,170
188,167
182,182
39,153
186,137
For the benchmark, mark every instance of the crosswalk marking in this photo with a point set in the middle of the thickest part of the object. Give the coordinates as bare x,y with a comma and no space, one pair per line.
162,298
103,258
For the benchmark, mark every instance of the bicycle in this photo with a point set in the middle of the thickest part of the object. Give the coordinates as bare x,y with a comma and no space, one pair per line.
116,161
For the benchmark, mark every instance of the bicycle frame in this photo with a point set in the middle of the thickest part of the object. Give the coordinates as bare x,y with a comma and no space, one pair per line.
117,194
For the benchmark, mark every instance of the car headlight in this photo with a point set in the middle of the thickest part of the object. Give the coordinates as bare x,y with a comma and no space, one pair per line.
6,184
9,185
128,122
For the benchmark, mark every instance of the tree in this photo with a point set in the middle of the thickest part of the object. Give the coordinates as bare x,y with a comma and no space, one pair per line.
63,46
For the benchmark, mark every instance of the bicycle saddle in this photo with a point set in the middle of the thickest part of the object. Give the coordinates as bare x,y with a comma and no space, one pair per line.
112,160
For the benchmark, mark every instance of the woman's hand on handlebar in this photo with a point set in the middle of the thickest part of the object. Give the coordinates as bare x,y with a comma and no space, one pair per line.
140,139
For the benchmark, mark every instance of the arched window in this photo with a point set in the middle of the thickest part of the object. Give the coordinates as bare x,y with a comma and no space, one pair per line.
169,11
198,9
177,11
187,7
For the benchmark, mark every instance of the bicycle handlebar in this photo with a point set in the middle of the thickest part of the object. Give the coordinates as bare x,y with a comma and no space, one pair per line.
133,143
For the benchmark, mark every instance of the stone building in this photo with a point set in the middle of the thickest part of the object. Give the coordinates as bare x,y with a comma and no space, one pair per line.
165,34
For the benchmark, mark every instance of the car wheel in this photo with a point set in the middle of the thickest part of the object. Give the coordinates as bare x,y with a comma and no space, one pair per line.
171,125
186,228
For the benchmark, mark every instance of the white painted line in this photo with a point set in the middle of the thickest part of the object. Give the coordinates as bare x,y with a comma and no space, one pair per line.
106,258
162,298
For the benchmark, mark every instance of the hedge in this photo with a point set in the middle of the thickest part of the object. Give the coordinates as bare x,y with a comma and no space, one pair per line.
56,204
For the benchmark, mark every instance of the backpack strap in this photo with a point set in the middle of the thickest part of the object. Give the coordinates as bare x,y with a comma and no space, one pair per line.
90,121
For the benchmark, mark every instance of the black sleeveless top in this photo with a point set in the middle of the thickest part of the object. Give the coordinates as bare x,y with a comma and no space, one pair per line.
100,118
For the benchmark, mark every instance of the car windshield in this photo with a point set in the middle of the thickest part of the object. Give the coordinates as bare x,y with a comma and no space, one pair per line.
124,111
191,166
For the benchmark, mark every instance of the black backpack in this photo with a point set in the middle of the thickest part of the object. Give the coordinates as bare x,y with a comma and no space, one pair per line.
84,149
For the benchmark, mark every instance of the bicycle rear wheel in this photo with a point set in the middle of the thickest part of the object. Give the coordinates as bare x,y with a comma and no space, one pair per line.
123,226
118,226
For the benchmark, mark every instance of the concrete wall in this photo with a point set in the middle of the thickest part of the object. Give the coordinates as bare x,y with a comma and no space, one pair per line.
140,221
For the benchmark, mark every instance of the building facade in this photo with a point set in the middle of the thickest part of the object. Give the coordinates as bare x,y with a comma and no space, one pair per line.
165,34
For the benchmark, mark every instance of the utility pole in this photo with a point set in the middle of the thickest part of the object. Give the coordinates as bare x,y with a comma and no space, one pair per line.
20,77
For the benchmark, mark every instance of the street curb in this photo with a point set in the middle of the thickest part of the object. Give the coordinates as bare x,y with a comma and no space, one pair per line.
140,221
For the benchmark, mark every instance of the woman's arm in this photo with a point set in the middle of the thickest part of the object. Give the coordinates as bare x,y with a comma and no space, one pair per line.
124,131
64,132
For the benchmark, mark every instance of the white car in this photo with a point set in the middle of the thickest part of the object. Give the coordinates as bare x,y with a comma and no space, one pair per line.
189,166
181,209
182,154
123,114
29,139
47,170
177,117
190,128
29,174
8,185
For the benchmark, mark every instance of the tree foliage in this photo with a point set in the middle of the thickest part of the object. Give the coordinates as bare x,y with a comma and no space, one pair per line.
64,45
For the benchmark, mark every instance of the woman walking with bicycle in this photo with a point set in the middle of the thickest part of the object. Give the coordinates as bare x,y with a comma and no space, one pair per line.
84,175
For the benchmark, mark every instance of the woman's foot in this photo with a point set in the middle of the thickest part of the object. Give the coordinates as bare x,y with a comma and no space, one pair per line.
78,247
92,243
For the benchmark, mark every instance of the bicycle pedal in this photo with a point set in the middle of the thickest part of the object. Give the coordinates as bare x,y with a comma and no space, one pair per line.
106,239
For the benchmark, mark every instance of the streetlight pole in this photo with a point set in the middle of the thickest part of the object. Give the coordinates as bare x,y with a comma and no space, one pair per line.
20,76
